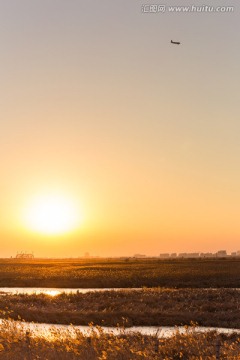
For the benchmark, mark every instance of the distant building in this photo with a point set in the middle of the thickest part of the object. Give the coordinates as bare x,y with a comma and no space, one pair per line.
188,255
87,255
183,255
234,253
139,256
164,256
206,255
24,256
221,253
173,255
193,255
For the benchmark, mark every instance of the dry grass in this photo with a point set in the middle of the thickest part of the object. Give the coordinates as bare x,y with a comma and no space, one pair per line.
17,343
149,307
100,273
159,307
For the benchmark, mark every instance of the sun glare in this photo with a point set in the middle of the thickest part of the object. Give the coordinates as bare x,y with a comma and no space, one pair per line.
52,214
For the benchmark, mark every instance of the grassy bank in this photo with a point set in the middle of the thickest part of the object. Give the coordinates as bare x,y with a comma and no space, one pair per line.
16,342
160,307
19,343
100,273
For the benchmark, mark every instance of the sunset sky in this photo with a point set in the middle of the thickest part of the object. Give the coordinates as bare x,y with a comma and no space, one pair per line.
138,139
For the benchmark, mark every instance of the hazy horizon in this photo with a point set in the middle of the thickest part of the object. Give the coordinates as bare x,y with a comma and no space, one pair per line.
172,255
131,141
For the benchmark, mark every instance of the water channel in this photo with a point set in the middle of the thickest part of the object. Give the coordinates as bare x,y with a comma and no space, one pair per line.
45,329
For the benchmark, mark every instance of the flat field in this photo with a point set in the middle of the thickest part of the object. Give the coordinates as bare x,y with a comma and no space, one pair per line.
109,273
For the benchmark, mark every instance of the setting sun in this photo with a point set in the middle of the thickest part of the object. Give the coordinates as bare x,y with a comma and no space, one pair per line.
51,215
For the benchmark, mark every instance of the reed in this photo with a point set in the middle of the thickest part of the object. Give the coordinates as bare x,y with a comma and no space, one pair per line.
102,273
159,307
17,342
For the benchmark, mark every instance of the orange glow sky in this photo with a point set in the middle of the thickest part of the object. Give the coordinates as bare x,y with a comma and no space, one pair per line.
142,135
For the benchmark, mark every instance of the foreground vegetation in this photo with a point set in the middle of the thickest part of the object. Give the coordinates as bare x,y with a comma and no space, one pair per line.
159,307
18,342
108,273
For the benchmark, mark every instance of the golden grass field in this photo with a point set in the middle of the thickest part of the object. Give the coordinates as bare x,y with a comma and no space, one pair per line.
104,273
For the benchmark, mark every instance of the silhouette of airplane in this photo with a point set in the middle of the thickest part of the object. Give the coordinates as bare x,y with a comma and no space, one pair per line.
175,42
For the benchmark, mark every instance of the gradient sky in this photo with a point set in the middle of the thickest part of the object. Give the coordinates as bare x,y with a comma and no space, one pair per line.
95,103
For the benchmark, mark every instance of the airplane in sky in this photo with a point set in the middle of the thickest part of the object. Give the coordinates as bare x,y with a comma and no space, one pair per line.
175,42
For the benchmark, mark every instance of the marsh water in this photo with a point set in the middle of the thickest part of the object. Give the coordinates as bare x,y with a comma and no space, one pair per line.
52,330
55,291
43,329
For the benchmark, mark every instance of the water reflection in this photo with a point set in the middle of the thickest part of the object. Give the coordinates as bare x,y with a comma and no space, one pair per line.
51,292
55,291
50,331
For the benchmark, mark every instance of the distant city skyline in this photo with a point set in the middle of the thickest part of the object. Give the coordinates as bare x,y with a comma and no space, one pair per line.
218,253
